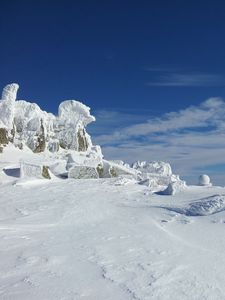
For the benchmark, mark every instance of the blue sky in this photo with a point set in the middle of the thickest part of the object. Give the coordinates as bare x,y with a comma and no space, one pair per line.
146,68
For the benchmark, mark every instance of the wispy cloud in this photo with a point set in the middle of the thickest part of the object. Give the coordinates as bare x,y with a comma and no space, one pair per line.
192,80
172,76
192,140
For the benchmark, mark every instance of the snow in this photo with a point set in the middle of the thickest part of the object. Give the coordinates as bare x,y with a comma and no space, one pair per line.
204,180
7,105
174,187
115,237
155,167
31,124
72,110
92,239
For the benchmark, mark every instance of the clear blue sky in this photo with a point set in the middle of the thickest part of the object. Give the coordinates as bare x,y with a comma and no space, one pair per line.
103,51
133,60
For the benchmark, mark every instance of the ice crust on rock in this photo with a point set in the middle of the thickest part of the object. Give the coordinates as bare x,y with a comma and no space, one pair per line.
174,187
42,131
7,105
83,172
154,167
31,170
158,176
64,138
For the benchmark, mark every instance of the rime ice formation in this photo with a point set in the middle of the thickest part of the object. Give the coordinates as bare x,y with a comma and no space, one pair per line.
157,175
26,124
7,105
73,117
64,139
155,167
174,187
204,180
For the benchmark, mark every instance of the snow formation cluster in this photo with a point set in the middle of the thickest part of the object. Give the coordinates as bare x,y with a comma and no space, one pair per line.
64,139
26,124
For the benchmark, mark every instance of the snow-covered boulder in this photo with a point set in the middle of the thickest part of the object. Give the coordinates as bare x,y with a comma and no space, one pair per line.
31,170
174,187
83,172
73,118
204,180
157,175
155,167
90,159
112,169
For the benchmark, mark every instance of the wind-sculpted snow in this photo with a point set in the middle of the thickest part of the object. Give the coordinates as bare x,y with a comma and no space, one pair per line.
206,206
202,207
100,239
154,167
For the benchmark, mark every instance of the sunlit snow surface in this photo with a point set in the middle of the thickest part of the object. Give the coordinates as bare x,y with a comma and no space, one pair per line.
109,239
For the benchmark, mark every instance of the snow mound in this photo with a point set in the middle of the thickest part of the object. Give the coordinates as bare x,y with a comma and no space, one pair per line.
158,175
206,206
174,187
204,180
154,167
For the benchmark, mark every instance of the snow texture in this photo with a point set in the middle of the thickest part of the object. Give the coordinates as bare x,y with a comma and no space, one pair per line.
155,167
83,172
103,238
206,206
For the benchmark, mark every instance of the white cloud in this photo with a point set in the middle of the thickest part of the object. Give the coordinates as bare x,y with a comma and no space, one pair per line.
182,79
190,139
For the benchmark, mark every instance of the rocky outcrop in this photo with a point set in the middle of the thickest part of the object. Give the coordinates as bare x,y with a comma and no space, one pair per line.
7,114
24,123
4,136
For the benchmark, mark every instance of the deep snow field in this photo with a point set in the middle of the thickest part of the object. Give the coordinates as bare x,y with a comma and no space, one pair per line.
109,239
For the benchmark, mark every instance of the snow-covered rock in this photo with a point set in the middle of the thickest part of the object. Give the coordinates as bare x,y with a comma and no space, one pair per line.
24,123
31,170
157,176
71,122
7,105
83,172
155,167
113,169
174,187
204,180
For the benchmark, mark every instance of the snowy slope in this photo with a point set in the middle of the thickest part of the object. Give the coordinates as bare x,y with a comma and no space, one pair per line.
95,239
118,237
